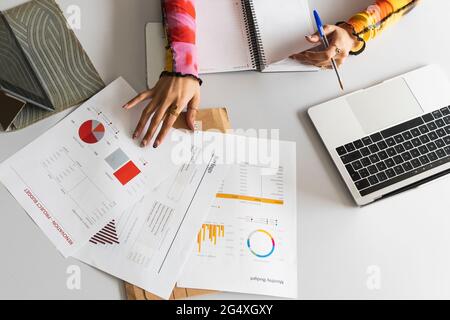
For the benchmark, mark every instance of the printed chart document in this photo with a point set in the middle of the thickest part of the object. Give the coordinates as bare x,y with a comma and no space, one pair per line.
149,244
86,170
248,243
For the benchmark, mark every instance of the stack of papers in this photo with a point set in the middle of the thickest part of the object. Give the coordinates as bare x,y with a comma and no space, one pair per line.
182,213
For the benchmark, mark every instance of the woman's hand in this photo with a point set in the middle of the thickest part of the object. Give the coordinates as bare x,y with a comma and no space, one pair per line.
168,99
342,41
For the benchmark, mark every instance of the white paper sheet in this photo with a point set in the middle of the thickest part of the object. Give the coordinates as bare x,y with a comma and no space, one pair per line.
223,45
248,243
77,176
283,26
152,241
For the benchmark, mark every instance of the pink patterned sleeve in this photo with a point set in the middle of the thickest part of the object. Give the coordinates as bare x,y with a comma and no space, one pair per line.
180,25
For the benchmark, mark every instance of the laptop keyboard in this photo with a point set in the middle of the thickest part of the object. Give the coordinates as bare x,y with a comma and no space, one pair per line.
398,153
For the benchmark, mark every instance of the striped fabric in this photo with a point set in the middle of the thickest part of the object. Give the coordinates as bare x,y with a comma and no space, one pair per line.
371,22
57,58
180,24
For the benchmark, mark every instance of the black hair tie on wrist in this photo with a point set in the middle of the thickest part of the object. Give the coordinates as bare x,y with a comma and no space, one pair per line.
178,74
358,37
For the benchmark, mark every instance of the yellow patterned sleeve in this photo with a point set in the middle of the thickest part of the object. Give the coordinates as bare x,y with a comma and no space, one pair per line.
371,22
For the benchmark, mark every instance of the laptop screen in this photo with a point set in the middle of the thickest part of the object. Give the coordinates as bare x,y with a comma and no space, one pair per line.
16,75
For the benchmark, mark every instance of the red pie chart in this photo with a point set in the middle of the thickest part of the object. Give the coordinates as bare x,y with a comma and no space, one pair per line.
91,131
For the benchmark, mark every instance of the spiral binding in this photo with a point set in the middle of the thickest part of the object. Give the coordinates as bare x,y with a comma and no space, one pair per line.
254,36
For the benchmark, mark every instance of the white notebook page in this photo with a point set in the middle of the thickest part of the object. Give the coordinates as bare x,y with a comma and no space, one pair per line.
221,37
283,26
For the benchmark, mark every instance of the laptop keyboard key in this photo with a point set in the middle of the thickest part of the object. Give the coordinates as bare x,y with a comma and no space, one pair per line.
364,173
431,126
383,155
431,146
376,137
355,176
445,111
424,160
365,152
367,141
447,140
366,162
390,173
362,184
423,129
408,145
447,129
432,156
433,136
424,139
398,160
399,139
358,144
437,114
415,132
440,123
374,158
351,157
447,150
416,142
447,120
441,153
382,145
416,163
372,169
391,152
350,147
440,143
399,148
415,153
423,150
406,156
382,176
407,135
441,133
389,163
391,142
381,166
407,166
357,165
399,170
428,117
373,148
373,180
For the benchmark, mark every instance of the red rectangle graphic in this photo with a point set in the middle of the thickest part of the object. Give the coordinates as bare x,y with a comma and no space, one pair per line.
127,173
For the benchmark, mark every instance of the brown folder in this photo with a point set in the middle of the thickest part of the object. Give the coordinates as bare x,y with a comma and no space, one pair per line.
208,119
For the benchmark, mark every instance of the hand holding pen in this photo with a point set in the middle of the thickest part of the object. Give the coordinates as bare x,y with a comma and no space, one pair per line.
340,42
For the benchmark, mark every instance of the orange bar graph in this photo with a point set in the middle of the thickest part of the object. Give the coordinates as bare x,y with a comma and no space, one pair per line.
251,199
214,231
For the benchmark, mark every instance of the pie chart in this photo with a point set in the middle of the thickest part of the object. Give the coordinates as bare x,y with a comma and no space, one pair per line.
91,131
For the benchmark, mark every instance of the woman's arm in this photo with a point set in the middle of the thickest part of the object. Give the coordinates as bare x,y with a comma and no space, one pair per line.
179,85
350,37
180,24
371,22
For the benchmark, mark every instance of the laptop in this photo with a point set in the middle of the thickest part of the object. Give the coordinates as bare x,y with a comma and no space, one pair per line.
391,137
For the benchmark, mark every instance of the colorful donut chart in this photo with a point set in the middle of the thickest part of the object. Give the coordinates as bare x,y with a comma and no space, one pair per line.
261,255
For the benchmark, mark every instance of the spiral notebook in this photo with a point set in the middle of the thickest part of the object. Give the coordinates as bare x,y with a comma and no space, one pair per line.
241,35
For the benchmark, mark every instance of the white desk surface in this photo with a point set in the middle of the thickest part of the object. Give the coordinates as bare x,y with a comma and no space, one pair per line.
407,237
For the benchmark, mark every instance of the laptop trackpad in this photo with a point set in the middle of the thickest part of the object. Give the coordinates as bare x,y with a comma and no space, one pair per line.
384,106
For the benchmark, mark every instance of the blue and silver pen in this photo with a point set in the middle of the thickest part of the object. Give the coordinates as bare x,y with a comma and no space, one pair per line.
327,45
